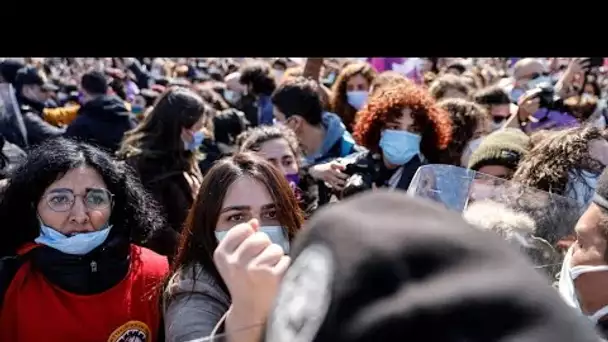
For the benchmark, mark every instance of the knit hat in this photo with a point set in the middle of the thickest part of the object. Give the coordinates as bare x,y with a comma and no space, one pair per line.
383,266
505,147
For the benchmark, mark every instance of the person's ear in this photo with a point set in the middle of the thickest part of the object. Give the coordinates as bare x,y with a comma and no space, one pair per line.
294,122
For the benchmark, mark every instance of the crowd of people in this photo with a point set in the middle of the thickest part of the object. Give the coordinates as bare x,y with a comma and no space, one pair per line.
266,199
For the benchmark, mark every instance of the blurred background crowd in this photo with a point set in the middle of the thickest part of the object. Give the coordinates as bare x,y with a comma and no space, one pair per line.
180,162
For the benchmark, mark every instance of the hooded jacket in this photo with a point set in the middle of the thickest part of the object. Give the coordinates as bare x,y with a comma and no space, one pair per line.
102,121
338,142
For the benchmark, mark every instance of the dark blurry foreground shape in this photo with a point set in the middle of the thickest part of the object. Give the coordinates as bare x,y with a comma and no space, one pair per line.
385,267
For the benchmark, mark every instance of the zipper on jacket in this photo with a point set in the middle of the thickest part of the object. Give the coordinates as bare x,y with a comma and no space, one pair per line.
93,266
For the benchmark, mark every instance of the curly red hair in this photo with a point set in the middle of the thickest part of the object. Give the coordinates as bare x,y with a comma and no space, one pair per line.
430,121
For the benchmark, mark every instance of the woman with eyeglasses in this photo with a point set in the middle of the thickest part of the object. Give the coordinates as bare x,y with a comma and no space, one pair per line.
70,270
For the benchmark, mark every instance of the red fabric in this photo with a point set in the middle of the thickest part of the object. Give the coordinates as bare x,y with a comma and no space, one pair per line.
35,310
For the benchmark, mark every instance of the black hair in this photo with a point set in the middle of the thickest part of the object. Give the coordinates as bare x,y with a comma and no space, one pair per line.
119,88
135,215
491,96
228,125
299,96
94,82
257,74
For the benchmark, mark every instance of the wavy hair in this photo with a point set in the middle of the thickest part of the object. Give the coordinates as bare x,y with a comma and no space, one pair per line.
135,215
339,103
550,163
430,121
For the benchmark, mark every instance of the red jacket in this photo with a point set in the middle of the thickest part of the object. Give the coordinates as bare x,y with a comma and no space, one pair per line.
36,310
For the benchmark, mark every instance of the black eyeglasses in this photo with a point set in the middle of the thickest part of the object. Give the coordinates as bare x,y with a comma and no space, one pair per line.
62,200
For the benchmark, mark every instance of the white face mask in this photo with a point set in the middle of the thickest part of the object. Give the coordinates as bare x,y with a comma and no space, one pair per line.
276,234
568,291
468,151
278,74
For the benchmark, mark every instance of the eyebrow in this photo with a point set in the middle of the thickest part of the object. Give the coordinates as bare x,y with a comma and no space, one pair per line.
56,190
246,207
60,190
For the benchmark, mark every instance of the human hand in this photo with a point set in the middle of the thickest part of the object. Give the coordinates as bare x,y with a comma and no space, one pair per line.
252,268
331,173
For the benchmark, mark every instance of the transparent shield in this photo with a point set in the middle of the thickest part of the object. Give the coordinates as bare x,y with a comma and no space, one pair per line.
529,218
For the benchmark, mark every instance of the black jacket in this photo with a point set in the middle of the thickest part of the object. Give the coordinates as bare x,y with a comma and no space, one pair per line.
37,129
11,156
102,121
370,167
323,193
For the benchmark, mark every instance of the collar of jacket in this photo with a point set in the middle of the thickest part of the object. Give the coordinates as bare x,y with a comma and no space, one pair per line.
93,273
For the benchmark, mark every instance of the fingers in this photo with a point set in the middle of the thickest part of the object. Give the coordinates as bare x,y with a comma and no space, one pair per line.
337,179
337,166
234,238
281,267
252,247
270,256
338,174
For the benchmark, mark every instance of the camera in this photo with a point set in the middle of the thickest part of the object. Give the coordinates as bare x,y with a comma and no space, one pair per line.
362,175
548,99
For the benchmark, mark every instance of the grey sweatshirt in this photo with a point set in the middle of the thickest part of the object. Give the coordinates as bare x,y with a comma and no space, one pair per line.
192,308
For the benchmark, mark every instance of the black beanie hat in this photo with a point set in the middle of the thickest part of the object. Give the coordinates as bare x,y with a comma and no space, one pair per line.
505,147
385,267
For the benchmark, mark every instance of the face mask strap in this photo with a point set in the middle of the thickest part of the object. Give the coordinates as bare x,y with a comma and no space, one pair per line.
577,271
599,314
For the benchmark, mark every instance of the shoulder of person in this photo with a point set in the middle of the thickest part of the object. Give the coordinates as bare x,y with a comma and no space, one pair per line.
153,264
194,279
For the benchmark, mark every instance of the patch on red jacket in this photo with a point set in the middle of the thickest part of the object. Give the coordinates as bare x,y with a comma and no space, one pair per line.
132,331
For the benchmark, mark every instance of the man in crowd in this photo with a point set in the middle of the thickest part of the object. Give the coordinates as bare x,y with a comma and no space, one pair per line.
584,276
322,135
32,91
103,119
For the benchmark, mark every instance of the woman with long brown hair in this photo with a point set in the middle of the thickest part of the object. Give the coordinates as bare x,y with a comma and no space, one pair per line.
236,191
350,91
163,150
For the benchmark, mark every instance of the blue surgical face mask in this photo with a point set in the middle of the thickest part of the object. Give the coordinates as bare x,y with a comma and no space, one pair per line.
516,93
356,98
582,188
79,244
231,96
468,151
276,234
399,147
197,141
538,81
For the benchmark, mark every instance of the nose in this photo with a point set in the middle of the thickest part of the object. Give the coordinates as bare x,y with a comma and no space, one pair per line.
79,214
